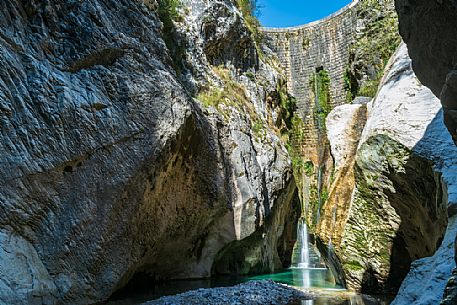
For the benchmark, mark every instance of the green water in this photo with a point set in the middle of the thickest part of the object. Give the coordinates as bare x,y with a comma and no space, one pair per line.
328,293
302,278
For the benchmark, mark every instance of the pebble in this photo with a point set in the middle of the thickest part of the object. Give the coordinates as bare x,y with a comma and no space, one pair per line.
253,293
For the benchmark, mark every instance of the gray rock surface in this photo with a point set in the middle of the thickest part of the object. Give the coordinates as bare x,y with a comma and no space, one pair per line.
404,186
428,28
109,167
450,293
407,112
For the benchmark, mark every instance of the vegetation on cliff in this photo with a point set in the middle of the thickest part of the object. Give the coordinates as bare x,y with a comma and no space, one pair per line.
249,8
375,43
320,82
168,14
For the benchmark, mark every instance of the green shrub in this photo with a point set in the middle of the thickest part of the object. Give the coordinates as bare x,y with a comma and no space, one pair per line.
250,75
369,88
258,127
249,8
320,84
287,104
308,167
168,14
373,47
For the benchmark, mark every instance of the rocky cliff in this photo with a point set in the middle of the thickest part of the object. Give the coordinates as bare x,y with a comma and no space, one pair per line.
329,63
404,185
428,28
133,141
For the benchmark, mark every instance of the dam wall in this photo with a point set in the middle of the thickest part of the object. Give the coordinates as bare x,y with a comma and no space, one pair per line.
305,49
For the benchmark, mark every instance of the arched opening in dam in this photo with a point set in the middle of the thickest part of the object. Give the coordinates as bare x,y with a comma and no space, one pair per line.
281,14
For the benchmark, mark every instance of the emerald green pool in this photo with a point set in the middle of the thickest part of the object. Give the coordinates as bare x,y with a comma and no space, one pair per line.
320,279
303,278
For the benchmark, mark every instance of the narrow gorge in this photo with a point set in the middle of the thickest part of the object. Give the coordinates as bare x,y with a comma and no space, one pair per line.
162,143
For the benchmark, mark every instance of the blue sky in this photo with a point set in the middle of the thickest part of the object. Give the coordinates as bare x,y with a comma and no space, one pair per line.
282,13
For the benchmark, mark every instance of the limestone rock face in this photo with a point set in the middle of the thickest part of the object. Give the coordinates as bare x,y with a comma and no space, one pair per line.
404,185
344,128
383,233
109,167
428,28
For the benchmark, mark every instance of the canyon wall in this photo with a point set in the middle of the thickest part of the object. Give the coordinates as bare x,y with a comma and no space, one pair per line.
133,143
360,186
398,222
428,28
329,63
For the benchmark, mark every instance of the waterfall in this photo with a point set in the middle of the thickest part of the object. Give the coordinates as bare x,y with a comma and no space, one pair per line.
302,233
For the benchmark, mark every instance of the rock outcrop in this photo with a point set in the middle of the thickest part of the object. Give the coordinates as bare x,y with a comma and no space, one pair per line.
345,124
450,293
428,28
329,63
110,168
404,187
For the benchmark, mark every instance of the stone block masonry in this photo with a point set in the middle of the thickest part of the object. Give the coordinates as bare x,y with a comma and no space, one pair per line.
303,50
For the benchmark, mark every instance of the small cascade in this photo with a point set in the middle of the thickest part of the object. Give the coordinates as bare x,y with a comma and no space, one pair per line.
303,240
305,255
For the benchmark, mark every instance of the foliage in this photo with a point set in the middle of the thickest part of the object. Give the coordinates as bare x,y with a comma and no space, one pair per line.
296,137
321,87
258,127
250,75
287,104
232,95
168,14
249,9
369,88
308,167
350,85
211,97
374,47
